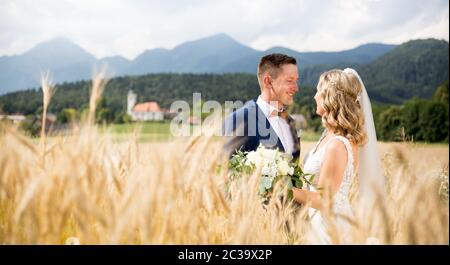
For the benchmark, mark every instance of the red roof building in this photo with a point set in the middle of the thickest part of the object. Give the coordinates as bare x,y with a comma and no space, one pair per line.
147,107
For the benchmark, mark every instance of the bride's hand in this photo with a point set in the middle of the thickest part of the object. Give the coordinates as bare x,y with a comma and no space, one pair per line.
296,192
304,196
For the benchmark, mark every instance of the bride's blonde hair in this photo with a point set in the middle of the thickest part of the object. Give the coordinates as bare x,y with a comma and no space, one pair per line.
343,114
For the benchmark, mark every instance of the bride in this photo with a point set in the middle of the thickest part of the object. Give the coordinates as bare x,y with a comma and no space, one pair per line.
348,146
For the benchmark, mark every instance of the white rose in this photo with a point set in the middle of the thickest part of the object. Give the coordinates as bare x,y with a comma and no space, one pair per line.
269,170
268,155
291,171
253,158
284,168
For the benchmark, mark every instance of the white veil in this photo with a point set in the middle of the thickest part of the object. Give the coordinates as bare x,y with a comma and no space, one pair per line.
371,178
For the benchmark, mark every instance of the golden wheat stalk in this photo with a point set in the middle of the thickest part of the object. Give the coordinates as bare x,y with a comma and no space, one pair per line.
99,81
47,92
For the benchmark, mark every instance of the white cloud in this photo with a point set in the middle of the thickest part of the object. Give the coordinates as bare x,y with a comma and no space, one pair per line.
110,27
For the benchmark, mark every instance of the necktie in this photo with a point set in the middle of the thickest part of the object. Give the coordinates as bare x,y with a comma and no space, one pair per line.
282,113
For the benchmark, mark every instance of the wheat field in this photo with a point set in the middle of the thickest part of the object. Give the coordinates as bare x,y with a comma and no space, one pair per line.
85,188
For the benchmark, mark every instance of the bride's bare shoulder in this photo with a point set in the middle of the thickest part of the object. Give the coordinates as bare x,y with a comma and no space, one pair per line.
336,148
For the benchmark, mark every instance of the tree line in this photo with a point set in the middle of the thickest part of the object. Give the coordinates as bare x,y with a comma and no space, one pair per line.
419,119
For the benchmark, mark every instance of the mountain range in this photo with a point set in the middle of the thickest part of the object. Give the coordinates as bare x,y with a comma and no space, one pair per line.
413,69
215,54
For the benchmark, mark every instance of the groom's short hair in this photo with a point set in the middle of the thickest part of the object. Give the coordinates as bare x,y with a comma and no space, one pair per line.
272,63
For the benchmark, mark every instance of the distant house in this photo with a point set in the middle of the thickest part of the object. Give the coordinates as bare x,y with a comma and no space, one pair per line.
146,111
194,120
16,119
51,124
33,123
300,121
51,118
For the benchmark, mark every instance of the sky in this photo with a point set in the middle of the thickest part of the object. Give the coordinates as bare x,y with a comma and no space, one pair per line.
129,27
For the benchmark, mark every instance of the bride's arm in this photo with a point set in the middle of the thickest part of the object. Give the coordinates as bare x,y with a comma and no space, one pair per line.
330,178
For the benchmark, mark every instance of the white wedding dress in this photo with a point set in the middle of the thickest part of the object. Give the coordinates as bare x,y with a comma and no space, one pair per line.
341,205
370,178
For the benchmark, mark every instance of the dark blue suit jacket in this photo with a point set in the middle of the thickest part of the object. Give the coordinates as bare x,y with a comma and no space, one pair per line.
248,127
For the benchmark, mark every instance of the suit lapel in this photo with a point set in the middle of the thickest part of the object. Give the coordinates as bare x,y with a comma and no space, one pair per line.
263,124
296,138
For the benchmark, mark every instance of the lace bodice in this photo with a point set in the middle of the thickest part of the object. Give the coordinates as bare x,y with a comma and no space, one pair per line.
313,165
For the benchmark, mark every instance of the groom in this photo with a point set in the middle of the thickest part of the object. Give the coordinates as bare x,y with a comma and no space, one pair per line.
264,120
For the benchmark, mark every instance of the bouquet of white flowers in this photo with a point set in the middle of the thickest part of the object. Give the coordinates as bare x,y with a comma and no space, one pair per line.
274,166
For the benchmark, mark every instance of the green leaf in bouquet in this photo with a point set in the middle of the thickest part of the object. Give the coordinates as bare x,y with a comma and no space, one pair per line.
298,170
290,195
248,169
266,182
298,183
288,183
310,180
262,189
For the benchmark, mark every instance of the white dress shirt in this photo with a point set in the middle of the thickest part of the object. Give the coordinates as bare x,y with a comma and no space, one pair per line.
279,125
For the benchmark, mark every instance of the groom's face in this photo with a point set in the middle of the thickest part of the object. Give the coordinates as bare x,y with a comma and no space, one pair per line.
285,84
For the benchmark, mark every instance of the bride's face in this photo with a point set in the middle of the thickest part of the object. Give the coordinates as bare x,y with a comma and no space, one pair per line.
319,103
